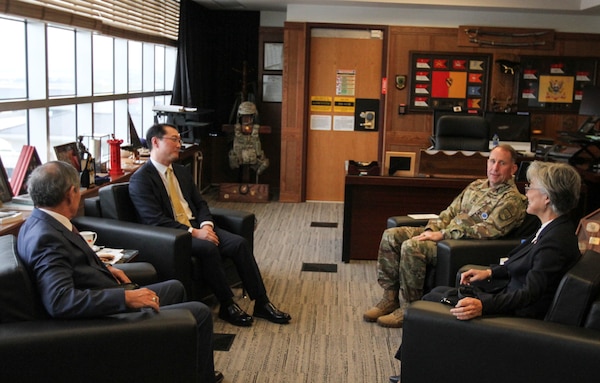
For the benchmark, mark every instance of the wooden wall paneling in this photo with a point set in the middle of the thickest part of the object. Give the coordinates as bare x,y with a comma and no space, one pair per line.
293,113
411,131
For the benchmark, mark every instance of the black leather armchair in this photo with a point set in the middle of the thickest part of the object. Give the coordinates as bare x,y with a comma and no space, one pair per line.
564,347
452,254
140,346
461,133
112,215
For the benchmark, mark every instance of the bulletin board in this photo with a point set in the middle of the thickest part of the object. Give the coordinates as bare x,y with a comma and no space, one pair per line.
448,81
554,84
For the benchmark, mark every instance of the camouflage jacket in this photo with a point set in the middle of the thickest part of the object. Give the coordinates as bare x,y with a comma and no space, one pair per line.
480,211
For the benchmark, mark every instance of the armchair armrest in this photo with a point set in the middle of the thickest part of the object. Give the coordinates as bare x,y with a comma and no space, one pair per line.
236,221
452,254
167,249
91,207
142,273
112,349
404,220
431,333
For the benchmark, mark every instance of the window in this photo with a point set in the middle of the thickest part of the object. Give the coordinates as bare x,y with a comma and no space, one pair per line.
61,62
102,52
13,71
63,82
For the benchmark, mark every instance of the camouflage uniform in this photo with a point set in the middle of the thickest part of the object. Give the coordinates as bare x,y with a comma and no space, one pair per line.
477,212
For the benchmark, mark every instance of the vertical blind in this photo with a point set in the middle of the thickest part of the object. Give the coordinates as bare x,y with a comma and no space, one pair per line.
148,20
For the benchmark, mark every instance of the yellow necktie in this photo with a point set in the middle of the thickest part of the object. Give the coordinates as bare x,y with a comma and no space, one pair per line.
180,215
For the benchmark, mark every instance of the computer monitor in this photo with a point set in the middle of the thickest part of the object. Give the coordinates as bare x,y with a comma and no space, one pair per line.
590,101
509,126
590,106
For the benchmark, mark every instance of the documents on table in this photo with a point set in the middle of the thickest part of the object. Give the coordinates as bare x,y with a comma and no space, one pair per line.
424,216
110,256
10,216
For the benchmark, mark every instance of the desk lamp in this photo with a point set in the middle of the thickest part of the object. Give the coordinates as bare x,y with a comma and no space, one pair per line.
590,106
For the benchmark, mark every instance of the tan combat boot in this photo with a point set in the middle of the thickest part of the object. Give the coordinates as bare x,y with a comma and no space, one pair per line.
395,319
386,305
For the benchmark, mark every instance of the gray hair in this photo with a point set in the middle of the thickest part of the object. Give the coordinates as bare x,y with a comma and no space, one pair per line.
510,149
559,181
49,182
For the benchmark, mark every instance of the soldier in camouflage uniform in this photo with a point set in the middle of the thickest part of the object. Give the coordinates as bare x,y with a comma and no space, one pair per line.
487,208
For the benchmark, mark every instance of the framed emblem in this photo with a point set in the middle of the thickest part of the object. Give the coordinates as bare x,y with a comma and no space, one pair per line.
554,84
448,81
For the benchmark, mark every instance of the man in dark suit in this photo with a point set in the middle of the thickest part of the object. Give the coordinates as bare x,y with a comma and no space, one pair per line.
72,282
164,194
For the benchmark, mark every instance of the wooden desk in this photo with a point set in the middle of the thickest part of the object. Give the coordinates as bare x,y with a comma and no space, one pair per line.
13,228
370,200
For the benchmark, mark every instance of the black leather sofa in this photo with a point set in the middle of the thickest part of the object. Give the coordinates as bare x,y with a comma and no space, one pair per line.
564,347
133,347
113,216
452,254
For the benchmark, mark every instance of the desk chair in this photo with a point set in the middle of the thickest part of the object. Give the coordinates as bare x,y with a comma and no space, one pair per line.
461,133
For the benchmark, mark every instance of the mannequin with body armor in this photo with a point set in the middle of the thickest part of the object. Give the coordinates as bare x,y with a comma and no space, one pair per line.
246,149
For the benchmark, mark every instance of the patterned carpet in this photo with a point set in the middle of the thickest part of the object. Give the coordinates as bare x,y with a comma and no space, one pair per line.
327,340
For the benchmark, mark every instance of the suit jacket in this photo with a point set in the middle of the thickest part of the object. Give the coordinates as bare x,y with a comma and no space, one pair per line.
534,271
149,195
71,280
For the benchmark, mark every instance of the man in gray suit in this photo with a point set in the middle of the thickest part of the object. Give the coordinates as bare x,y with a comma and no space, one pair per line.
71,280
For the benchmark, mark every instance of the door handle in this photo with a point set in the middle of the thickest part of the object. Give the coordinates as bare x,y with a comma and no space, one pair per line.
369,119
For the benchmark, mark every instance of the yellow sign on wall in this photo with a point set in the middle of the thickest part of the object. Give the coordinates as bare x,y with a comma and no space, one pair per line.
344,104
320,104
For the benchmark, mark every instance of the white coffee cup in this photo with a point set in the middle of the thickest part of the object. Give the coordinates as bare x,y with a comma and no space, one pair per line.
89,236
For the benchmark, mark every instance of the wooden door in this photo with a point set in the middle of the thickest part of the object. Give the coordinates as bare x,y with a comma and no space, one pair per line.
345,66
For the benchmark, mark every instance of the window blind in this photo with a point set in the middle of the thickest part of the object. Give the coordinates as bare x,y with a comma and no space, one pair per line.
147,20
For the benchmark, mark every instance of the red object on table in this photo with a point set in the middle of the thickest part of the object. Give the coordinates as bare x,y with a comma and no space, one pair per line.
115,157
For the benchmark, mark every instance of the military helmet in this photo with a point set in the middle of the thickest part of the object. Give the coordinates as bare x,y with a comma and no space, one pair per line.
247,108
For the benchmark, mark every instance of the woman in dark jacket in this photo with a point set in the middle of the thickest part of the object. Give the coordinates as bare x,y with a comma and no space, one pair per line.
534,269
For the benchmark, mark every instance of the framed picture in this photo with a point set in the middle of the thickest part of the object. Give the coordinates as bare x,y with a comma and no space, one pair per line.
273,56
28,160
68,153
272,88
554,84
449,81
400,164
5,189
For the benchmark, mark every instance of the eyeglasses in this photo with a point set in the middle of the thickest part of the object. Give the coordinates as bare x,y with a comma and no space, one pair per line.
175,139
528,188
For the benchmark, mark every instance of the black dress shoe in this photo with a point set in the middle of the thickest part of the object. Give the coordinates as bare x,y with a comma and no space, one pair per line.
271,313
219,377
235,315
